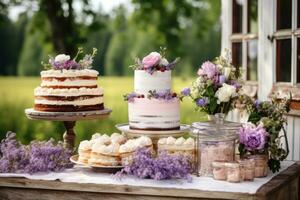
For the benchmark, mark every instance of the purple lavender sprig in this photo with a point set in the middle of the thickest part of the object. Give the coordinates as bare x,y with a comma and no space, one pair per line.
131,96
166,95
36,157
164,166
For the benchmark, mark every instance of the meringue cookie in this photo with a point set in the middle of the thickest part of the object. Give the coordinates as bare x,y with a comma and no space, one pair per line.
171,140
95,136
180,141
85,145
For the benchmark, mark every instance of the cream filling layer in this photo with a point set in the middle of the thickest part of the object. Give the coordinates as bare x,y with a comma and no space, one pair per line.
39,91
69,83
84,102
69,73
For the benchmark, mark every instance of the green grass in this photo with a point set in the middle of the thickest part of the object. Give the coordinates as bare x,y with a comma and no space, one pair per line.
16,94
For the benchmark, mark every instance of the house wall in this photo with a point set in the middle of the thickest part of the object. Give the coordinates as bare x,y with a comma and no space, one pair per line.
266,65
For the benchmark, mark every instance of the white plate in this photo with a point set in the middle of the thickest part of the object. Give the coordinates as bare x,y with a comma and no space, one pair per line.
74,159
184,128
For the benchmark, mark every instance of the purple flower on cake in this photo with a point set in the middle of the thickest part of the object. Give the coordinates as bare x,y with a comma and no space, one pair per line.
151,60
186,92
253,137
130,97
209,69
163,95
70,64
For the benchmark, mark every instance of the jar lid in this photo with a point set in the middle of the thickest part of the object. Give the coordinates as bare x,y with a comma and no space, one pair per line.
216,128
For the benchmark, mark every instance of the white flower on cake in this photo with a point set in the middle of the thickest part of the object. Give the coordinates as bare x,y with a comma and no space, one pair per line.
225,92
163,62
61,58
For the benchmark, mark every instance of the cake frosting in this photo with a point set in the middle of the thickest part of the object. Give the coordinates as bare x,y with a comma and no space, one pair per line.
154,114
152,105
159,81
68,87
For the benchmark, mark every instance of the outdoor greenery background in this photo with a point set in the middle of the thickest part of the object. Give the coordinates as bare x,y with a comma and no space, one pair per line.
190,29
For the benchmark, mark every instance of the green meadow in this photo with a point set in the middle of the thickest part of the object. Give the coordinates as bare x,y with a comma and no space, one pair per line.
16,94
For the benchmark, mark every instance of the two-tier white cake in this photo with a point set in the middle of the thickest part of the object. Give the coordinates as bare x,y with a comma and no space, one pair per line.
152,105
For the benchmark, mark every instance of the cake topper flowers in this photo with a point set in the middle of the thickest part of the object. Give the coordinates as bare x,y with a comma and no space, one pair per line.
155,61
216,87
63,61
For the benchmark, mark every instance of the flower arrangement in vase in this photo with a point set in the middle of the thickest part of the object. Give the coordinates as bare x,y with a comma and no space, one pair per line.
216,87
262,134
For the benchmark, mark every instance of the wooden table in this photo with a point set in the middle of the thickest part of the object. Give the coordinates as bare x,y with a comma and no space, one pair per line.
284,186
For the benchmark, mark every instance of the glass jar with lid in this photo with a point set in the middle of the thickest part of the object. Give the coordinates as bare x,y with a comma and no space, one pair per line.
215,141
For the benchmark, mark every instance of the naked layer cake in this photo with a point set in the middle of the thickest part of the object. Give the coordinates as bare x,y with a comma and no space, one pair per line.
69,85
153,105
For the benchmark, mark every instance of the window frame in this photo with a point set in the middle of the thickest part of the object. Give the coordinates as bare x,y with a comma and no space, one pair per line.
293,34
244,38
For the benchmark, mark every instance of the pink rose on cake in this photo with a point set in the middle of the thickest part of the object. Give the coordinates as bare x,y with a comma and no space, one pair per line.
151,60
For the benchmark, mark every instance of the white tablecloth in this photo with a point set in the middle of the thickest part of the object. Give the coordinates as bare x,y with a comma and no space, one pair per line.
81,175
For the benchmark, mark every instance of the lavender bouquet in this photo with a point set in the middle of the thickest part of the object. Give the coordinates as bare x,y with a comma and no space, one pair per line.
162,167
216,87
63,61
155,61
36,157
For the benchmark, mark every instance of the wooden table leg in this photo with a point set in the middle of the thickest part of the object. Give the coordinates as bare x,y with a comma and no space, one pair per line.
69,135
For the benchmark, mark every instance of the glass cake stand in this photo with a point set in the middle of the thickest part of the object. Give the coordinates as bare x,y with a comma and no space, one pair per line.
69,119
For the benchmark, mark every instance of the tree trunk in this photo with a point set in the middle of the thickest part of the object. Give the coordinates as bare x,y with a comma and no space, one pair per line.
62,27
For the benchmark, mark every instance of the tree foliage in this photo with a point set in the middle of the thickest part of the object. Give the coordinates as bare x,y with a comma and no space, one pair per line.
190,29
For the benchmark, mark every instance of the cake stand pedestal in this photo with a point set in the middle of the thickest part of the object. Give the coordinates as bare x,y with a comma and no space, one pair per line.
69,119
154,135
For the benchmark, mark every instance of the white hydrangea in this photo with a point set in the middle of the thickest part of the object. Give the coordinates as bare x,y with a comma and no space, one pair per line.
225,92
61,58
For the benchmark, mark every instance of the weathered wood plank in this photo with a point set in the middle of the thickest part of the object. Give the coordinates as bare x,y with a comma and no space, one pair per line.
279,182
283,186
33,194
120,189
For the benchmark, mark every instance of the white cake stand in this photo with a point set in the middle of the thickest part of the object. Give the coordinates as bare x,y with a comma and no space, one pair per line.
69,119
154,135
